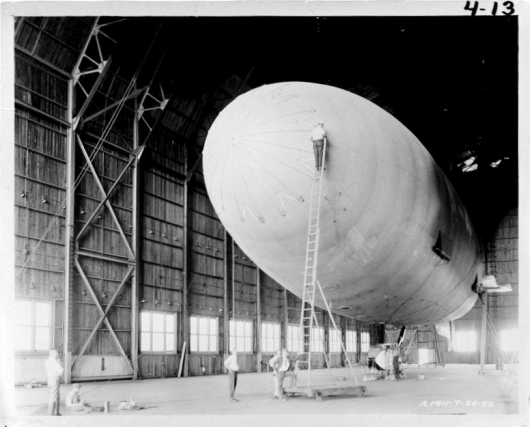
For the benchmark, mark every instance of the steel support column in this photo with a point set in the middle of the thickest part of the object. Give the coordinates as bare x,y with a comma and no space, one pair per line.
285,319
258,319
136,244
483,332
226,279
186,273
69,241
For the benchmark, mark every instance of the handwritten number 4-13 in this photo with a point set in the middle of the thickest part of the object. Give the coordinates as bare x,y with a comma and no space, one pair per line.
507,9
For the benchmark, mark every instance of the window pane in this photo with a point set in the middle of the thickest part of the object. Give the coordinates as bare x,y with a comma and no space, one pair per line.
240,343
170,323
23,312
42,313
158,342
144,321
193,342
42,338
22,338
158,322
193,324
232,328
213,326
203,325
203,343
240,328
145,341
213,343
170,342
248,329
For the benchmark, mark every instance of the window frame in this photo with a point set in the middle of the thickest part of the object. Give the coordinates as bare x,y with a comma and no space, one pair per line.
353,333
165,333
33,326
321,347
365,344
331,332
250,339
278,339
209,335
293,344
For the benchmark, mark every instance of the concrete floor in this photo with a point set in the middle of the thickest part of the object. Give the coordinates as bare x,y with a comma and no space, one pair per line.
450,390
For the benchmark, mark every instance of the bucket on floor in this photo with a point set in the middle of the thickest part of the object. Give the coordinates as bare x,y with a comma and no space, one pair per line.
107,406
421,377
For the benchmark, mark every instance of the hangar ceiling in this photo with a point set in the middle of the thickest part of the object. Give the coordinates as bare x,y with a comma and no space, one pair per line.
451,80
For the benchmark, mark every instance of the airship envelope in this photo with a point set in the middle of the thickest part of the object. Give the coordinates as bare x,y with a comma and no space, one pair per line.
396,244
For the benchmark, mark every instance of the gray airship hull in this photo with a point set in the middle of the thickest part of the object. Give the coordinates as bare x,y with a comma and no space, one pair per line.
385,204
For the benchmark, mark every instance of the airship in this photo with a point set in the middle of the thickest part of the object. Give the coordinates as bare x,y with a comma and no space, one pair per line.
396,244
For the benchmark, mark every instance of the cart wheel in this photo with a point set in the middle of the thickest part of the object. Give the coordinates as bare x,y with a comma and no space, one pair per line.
318,396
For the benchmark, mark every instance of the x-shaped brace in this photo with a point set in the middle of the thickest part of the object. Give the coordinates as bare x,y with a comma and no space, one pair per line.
105,198
103,314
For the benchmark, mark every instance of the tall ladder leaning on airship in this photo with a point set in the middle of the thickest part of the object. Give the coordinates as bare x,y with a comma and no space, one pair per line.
308,317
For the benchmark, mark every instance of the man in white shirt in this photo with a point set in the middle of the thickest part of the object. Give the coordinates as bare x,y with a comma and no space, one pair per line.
54,370
282,365
233,367
272,362
318,136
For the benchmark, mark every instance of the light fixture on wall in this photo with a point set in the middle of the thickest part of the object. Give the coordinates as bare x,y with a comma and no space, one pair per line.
142,300
22,194
84,292
44,200
81,211
169,303
104,295
156,301
53,288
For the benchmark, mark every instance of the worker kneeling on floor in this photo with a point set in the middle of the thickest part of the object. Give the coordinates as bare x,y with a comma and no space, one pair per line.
78,405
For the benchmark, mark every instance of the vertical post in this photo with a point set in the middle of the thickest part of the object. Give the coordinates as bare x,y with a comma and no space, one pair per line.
483,333
285,319
69,240
136,241
258,319
226,279
186,272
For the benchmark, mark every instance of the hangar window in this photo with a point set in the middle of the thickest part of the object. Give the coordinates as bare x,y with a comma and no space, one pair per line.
270,337
293,337
351,341
317,339
465,341
365,341
334,340
158,332
204,334
241,335
33,323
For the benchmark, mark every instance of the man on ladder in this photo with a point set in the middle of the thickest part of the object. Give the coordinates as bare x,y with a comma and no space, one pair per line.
318,136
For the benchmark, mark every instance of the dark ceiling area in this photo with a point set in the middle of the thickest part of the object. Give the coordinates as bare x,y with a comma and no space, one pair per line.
453,81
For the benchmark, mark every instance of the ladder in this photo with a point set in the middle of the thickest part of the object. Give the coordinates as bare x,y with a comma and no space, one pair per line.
308,316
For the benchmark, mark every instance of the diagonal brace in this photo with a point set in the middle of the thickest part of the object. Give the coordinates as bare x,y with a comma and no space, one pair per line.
103,314
136,154
107,203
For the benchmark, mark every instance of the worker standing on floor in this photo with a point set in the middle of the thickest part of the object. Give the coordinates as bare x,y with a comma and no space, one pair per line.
318,136
272,363
233,367
54,370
